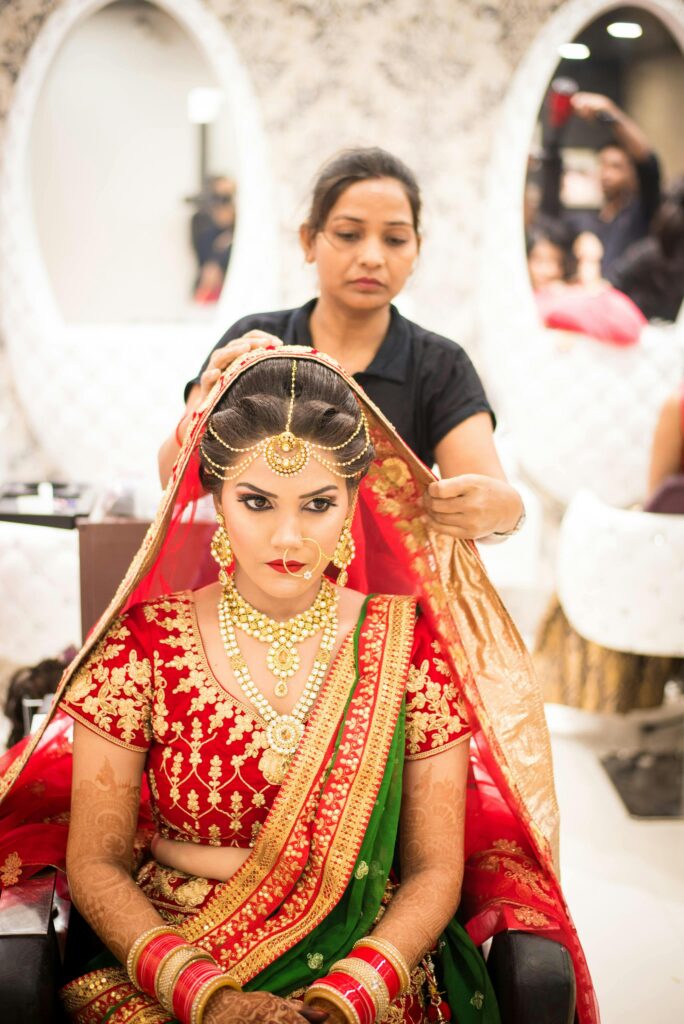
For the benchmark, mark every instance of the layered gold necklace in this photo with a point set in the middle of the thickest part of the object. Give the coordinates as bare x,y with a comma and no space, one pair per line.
283,657
283,732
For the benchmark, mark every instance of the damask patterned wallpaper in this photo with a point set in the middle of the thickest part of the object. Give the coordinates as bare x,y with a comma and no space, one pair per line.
423,78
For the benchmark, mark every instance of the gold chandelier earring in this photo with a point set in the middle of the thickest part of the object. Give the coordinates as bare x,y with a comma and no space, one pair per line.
220,548
344,552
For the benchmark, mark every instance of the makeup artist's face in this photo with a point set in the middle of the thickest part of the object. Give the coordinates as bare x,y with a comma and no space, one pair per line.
367,247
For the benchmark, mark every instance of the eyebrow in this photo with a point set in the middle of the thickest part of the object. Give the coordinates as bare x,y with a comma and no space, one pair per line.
360,220
268,494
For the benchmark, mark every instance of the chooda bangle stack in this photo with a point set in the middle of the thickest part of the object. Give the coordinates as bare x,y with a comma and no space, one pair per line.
364,984
181,977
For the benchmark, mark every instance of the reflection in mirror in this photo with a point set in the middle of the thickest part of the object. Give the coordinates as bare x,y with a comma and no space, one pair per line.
131,158
604,197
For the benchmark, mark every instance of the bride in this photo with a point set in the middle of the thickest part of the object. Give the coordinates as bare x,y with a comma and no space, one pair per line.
284,789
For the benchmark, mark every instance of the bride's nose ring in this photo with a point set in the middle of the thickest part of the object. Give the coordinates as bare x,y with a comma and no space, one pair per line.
308,573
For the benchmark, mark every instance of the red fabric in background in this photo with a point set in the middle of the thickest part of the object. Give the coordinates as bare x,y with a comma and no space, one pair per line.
607,315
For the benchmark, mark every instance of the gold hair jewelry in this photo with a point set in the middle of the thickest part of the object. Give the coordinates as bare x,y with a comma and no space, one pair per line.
285,453
283,732
220,548
282,658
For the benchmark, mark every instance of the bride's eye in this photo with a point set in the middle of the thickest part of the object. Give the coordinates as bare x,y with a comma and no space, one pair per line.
320,504
255,502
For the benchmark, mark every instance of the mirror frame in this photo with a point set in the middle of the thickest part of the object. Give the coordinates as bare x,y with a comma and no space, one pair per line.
39,339
506,310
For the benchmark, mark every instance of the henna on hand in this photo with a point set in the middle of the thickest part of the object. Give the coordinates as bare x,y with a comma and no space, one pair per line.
431,852
229,1007
104,815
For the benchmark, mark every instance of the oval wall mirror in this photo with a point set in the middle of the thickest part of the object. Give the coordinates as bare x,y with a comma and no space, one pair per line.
132,166
137,224
579,370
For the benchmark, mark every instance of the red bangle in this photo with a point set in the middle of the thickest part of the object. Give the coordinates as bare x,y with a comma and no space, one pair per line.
188,984
382,965
351,989
151,957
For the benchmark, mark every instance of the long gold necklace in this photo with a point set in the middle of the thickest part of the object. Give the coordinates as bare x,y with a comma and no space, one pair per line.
283,732
283,657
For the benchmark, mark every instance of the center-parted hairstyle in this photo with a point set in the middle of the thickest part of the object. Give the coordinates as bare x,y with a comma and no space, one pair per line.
355,165
259,405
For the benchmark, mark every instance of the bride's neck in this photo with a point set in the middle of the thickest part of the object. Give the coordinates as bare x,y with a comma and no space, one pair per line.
279,608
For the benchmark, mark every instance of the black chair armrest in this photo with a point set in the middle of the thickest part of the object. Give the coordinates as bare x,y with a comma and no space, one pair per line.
29,955
533,978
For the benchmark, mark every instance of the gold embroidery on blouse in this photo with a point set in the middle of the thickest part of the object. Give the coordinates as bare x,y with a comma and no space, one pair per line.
433,709
119,695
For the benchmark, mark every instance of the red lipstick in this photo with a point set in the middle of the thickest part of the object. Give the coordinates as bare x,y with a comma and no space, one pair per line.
279,566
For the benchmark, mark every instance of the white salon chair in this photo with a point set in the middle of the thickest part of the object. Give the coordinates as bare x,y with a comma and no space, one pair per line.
621,577
40,610
583,412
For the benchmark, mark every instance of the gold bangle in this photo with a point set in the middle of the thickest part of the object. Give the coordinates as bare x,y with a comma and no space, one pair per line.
171,967
138,946
207,991
397,961
322,991
371,980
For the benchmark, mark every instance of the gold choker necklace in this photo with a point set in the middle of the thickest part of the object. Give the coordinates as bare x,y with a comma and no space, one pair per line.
283,658
283,732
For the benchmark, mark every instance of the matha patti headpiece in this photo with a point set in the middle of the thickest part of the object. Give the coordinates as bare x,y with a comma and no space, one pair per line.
285,453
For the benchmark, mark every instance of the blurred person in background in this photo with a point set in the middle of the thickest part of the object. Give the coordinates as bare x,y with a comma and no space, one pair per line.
212,229
651,272
569,289
629,174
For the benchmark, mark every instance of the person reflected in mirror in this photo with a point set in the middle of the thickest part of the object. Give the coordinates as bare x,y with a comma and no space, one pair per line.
651,272
548,245
362,235
629,175
570,292
212,229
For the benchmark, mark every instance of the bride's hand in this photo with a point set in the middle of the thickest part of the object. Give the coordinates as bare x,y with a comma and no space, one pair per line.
472,506
223,357
229,1007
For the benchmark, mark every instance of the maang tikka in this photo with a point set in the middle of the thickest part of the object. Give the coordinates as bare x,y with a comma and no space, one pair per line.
287,454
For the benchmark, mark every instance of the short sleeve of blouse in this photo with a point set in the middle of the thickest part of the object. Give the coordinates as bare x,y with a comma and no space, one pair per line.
436,716
111,692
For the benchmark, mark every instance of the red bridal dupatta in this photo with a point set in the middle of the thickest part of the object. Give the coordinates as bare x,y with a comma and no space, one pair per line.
318,868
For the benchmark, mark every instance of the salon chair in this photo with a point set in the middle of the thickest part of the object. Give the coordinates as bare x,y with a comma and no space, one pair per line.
621,576
532,976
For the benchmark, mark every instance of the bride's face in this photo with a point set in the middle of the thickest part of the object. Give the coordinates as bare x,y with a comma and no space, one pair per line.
271,518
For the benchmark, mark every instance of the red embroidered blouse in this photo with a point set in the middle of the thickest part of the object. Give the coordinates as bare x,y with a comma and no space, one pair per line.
148,686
